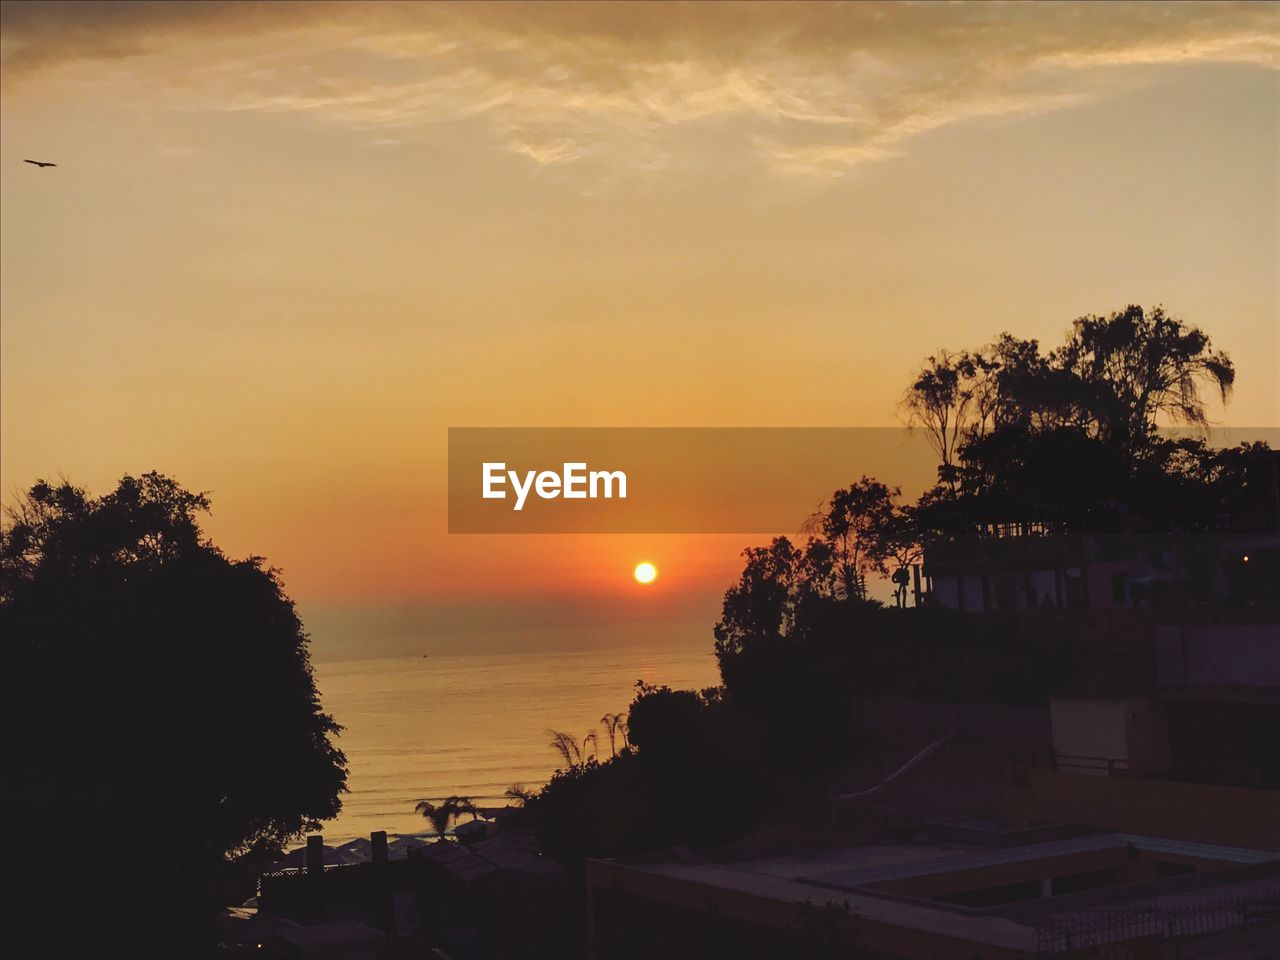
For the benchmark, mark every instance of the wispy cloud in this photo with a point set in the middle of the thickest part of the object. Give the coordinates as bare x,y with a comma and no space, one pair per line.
808,89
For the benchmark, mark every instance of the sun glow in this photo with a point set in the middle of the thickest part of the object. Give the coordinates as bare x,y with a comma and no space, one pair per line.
645,572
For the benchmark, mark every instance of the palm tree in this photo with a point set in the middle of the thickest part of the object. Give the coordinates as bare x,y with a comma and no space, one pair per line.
519,794
614,724
575,753
447,811
566,744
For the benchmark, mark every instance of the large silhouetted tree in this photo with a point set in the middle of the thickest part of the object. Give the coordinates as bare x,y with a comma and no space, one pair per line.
1070,437
855,525
1140,365
161,720
768,603
941,401
1115,378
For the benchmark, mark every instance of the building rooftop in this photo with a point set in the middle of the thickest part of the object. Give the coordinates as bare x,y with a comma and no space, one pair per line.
1003,897
969,858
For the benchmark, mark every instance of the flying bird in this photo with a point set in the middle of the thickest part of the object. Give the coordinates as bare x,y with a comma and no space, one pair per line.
39,163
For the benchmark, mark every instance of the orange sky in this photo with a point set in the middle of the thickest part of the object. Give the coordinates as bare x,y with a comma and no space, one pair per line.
288,245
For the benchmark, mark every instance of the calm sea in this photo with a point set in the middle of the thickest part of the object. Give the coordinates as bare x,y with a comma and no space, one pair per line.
472,725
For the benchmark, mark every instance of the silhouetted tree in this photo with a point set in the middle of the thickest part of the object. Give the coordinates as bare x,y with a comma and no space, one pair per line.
682,782
941,401
164,687
575,752
1070,437
615,724
1061,475
1139,365
1012,384
519,794
959,398
902,542
767,604
855,525
443,814
664,722
1114,378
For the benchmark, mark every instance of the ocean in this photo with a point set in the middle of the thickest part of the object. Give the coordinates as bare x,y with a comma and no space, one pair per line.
474,724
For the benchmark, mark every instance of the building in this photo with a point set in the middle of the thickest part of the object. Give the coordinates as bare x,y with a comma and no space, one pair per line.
1038,565
1135,813
493,896
974,834
966,896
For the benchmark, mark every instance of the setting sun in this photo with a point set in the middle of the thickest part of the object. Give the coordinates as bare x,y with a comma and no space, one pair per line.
645,572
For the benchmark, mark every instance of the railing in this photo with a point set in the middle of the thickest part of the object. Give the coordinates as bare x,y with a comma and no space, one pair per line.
295,893
1152,770
304,871
1061,936
1253,521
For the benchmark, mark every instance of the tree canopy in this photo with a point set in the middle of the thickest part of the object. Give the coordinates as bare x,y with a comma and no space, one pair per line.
1072,437
1114,378
1135,366
161,718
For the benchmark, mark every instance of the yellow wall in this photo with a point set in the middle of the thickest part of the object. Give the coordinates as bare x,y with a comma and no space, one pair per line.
1132,730
1233,816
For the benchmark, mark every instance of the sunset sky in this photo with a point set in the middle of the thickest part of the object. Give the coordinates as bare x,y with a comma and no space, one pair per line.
286,246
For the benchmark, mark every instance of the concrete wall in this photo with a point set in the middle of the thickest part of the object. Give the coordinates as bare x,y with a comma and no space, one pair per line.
1146,728
1134,730
621,896
1025,730
1212,655
1089,728
1231,816
1100,574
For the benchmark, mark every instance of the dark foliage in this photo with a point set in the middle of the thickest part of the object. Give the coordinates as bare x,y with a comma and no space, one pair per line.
684,781
161,721
1112,379
1069,441
799,686
1066,481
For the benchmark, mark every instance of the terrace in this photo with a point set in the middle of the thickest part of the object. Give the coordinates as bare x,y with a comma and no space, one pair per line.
948,899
